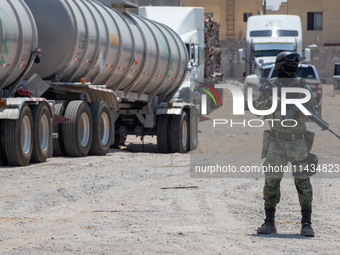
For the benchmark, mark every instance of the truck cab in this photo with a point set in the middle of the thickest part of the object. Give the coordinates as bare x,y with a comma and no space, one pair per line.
269,35
266,37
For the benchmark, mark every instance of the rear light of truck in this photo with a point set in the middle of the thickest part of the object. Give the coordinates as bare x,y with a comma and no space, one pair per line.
318,89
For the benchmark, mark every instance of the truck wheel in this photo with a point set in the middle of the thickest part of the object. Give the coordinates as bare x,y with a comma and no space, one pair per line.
102,124
193,130
58,143
19,137
320,110
77,132
179,133
122,140
119,140
3,157
246,108
209,103
163,133
43,134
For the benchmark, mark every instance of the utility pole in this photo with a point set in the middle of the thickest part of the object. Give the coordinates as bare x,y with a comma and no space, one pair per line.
264,7
287,6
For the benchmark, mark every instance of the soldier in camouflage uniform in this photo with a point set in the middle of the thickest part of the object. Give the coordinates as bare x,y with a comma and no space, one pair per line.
286,144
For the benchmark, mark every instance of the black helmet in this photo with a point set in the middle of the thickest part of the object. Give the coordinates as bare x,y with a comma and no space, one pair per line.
288,62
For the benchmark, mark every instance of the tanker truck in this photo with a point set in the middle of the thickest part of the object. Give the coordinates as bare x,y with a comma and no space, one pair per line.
188,23
77,76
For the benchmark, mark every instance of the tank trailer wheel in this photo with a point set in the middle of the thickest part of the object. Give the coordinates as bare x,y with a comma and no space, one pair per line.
58,144
77,132
18,138
43,133
122,140
163,133
3,157
179,133
193,130
102,124
119,141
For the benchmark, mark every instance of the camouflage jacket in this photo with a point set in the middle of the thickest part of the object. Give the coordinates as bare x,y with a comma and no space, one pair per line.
261,104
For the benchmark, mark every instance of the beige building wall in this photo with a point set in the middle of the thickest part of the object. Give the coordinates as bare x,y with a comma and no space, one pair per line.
330,33
229,13
241,7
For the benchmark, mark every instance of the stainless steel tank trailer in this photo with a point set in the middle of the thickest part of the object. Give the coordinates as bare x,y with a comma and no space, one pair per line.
77,77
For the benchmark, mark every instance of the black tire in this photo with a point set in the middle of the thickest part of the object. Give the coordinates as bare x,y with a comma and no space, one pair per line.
163,133
246,108
179,123
320,110
119,141
101,116
58,143
209,103
16,154
77,138
3,157
193,129
43,134
122,140
245,91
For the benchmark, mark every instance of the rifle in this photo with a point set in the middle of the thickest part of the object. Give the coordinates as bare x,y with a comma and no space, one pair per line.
292,109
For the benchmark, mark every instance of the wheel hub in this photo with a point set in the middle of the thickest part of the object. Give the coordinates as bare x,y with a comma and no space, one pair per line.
26,138
84,129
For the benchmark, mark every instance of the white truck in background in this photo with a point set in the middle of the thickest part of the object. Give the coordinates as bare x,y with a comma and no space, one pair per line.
188,23
266,37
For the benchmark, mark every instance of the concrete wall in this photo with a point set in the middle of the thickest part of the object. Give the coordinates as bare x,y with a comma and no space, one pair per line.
324,59
232,69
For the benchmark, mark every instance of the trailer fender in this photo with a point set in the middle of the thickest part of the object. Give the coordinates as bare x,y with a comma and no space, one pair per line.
14,105
94,93
176,109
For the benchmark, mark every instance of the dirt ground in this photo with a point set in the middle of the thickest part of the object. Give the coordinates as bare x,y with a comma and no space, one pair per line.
115,204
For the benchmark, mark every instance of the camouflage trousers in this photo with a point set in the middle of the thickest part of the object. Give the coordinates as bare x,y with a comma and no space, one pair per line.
279,153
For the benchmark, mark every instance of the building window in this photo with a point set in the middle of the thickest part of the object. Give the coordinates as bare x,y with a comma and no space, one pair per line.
314,20
246,16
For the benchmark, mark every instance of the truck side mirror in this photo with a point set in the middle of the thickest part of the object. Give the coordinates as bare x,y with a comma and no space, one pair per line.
240,55
307,54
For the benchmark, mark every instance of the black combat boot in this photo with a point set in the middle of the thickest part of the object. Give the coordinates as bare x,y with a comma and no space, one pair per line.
269,223
306,224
